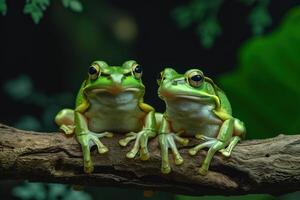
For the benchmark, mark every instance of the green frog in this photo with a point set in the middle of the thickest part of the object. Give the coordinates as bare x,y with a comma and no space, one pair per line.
195,107
110,100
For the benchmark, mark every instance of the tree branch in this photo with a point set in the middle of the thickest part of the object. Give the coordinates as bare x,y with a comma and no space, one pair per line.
258,166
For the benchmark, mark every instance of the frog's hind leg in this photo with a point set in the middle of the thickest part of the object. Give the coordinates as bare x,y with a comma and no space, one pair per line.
65,120
222,141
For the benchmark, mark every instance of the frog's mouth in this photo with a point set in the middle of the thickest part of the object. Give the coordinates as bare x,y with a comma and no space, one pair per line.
113,90
170,96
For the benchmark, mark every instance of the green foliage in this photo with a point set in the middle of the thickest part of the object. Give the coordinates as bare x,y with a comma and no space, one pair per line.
204,14
21,90
259,17
264,91
39,191
36,8
74,5
3,7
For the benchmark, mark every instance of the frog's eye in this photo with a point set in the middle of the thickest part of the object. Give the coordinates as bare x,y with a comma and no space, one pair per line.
137,71
195,78
94,71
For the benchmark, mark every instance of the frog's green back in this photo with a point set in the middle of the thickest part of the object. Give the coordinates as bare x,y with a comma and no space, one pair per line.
225,104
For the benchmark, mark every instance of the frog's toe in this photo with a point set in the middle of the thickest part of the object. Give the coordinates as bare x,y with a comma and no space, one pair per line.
144,154
178,160
129,137
88,167
166,169
67,129
224,152
109,135
192,152
130,154
123,142
101,147
104,134
102,150
202,171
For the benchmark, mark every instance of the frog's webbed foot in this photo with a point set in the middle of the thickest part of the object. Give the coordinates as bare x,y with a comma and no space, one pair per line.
233,142
87,141
168,141
141,143
67,129
214,145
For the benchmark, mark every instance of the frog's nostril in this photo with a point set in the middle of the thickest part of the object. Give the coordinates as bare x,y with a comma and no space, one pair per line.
174,82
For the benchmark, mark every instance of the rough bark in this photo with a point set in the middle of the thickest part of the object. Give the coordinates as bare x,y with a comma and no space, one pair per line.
256,166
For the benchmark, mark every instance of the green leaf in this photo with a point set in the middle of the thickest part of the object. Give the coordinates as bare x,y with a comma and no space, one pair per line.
3,7
19,88
265,91
208,31
66,3
76,6
27,191
204,14
35,8
259,19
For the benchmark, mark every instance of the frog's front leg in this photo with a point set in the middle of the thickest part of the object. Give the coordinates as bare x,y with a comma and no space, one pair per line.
87,139
167,140
223,139
141,138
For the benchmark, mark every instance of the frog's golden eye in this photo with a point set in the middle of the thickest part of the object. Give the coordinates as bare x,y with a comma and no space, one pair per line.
137,71
195,78
94,71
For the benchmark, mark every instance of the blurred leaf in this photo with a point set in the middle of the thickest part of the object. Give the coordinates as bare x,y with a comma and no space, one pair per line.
19,88
56,191
32,191
36,8
28,122
77,195
204,14
265,91
3,7
259,19
182,16
74,5
208,31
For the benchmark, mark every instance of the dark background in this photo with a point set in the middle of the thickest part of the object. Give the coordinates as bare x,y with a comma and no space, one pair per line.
45,53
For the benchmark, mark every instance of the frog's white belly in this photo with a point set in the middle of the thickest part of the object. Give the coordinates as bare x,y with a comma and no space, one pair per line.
118,113
192,117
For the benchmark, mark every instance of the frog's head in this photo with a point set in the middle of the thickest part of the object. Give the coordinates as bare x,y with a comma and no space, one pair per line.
113,80
190,85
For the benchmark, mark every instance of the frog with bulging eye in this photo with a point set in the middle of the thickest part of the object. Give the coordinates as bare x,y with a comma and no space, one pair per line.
110,100
195,107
